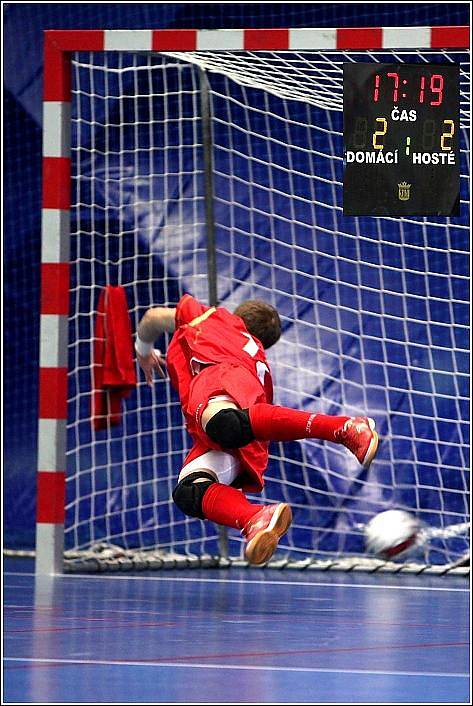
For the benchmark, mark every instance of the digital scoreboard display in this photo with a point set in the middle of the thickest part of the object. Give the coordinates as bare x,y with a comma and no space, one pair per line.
401,139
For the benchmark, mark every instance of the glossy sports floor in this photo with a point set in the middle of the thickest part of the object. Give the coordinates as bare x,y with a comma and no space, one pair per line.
234,636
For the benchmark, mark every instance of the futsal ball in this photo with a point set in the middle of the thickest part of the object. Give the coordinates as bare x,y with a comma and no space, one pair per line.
391,533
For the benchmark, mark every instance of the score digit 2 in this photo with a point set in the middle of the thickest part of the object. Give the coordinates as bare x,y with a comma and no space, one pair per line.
447,135
380,133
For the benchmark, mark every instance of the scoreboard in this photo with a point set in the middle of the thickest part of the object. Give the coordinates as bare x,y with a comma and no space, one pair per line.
401,139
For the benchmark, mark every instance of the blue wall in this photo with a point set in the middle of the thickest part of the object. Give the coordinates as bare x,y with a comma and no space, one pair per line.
23,26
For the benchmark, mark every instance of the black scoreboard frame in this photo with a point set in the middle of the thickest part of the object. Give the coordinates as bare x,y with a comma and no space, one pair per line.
401,139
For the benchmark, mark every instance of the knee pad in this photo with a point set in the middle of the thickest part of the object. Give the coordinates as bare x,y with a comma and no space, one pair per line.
230,428
188,495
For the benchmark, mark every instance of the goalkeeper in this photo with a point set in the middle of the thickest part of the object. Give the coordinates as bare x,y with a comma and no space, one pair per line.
216,361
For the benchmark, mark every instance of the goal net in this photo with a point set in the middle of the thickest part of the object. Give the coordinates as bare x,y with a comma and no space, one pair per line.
375,311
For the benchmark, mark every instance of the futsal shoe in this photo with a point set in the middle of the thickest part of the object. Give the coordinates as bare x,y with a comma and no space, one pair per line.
264,530
359,436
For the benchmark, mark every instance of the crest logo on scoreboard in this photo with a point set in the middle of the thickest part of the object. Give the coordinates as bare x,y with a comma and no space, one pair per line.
404,191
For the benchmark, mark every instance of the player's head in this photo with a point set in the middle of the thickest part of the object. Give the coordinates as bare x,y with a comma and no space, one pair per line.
261,319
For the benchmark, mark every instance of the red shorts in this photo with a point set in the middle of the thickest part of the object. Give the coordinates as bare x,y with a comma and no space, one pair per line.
245,389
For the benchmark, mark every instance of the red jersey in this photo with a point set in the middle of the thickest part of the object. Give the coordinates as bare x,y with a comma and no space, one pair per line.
219,337
213,353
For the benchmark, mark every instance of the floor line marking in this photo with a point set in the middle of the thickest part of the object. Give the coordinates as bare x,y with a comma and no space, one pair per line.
186,579
252,667
62,612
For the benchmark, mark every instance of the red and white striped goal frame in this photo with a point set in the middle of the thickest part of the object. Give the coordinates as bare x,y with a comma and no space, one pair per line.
56,203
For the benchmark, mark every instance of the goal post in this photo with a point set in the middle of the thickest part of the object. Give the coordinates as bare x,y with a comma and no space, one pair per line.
272,229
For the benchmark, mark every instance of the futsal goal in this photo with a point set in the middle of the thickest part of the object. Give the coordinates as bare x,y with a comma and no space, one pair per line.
211,162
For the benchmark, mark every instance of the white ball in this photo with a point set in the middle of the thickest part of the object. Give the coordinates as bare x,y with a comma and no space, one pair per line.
391,533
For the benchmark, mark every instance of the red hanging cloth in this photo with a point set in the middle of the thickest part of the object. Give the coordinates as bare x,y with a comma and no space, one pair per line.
114,373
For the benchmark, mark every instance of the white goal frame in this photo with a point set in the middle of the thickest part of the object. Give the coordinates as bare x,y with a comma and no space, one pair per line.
56,204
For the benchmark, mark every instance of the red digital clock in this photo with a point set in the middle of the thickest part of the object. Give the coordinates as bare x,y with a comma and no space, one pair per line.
427,88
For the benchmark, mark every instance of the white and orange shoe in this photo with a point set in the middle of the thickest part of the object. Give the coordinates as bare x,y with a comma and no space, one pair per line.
264,530
359,436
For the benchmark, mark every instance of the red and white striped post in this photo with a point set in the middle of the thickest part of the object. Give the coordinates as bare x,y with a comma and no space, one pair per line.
57,200
54,298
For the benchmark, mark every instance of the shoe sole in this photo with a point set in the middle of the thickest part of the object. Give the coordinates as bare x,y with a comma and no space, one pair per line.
261,548
373,447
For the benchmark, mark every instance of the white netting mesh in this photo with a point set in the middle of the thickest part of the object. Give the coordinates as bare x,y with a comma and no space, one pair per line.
315,78
375,311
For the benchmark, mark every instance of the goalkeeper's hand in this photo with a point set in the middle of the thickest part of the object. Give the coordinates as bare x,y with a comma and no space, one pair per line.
151,362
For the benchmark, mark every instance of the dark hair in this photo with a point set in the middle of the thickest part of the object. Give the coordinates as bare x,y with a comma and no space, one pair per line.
261,319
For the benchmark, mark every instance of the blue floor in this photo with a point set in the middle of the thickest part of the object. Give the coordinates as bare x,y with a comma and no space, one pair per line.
218,636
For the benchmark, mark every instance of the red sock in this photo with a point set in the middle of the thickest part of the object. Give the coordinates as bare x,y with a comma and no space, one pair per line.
227,506
273,423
